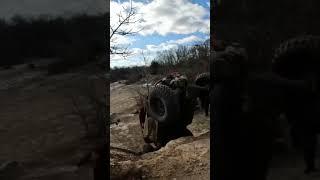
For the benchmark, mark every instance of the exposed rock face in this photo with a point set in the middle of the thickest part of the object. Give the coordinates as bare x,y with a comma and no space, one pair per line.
182,157
185,157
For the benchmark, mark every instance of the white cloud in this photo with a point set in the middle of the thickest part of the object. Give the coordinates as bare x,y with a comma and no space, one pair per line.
135,59
126,63
150,52
188,39
174,43
167,16
161,47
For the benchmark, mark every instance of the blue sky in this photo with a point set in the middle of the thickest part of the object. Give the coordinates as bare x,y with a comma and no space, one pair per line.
166,24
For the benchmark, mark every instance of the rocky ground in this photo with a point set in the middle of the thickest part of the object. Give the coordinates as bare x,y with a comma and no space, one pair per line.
41,133
183,158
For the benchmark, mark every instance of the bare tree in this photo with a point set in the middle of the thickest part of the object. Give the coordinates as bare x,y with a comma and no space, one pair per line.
182,53
124,27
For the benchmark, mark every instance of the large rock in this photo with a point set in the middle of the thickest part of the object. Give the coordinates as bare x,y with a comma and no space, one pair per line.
186,157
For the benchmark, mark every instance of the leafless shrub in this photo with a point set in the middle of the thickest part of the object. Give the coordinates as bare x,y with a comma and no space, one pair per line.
154,67
93,97
188,60
134,78
143,91
140,98
81,114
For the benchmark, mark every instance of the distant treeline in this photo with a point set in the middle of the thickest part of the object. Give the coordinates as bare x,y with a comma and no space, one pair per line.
188,60
80,38
131,74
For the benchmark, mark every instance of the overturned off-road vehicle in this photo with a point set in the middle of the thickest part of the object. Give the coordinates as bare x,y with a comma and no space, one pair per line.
169,108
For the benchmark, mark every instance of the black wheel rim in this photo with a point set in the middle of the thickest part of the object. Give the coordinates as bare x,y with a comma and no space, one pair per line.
157,106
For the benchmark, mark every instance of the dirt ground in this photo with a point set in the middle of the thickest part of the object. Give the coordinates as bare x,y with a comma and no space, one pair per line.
183,158
39,128
42,137
289,165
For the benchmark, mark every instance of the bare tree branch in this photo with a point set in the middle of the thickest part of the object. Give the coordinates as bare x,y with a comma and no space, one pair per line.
81,114
121,30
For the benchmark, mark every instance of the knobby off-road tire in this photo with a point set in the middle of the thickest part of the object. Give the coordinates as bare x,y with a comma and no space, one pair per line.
297,56
188,109
163,104
203,79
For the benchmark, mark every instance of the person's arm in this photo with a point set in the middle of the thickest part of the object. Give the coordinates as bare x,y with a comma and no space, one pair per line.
194,90
278,81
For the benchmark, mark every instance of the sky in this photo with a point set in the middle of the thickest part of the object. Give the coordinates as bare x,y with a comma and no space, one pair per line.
9,8
165,24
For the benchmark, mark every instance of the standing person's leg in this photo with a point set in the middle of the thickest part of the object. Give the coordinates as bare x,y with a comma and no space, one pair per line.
294,133
309,143
263,155
304,134
231,146
206,106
